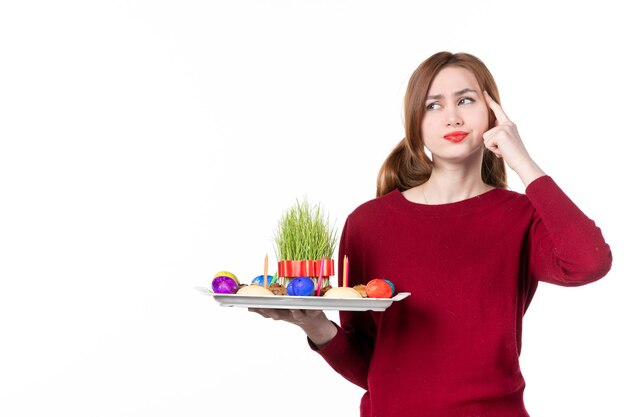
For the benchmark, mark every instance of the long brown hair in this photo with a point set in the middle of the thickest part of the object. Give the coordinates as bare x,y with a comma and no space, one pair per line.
408,165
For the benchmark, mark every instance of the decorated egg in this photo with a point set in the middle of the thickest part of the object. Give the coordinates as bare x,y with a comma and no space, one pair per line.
393,287
226,274
224,285
259,280
378,288
301,286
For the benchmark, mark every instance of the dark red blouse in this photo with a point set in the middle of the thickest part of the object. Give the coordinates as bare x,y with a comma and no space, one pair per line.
452,348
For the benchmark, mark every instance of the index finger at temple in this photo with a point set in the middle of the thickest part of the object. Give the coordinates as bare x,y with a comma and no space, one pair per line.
497,109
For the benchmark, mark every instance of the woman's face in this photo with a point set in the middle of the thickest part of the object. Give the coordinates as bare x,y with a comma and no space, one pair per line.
456,116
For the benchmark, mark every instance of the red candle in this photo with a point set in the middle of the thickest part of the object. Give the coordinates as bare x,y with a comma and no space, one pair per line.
319,280
345,270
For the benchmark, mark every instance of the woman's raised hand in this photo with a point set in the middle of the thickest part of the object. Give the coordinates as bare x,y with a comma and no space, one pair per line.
505,142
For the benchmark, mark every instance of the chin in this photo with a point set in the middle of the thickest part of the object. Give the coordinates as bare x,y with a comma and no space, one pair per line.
459,154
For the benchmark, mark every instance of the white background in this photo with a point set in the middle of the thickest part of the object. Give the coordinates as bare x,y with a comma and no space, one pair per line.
146,145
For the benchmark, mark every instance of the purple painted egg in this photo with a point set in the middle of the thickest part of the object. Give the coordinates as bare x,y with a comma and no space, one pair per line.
301,286
224,285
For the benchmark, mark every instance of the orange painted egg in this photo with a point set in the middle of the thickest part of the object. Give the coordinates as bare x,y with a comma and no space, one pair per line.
378,288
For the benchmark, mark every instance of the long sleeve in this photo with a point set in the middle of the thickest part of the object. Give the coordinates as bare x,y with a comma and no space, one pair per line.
350,351
566,247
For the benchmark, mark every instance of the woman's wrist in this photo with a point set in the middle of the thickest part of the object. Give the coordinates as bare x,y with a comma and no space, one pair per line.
320,332
529,171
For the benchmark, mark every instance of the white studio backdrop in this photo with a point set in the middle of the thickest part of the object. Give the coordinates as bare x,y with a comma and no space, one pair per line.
146,145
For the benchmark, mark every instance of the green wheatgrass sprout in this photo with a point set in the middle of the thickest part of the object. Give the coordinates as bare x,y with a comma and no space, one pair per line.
304,233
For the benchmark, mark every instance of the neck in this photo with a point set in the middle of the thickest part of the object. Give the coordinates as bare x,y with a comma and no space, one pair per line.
449,186
450,182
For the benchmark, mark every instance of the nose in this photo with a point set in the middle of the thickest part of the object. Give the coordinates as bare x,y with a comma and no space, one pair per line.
453,118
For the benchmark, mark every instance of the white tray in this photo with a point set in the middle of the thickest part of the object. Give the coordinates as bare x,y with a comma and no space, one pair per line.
303,303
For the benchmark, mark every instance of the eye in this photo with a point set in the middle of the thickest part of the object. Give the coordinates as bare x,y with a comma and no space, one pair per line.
433,106
466,100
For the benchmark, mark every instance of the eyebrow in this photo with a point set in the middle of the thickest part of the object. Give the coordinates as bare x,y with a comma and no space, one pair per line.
458,93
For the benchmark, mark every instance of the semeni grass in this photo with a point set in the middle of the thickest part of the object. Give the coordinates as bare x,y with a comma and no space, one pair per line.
304,233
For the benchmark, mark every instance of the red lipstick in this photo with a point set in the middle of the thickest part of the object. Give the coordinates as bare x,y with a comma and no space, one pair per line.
455,137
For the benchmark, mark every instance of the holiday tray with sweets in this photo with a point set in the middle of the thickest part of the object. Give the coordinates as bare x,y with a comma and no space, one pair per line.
303,303
304,244
303,292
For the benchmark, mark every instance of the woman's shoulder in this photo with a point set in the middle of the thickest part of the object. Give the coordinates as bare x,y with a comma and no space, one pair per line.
508,195
375,205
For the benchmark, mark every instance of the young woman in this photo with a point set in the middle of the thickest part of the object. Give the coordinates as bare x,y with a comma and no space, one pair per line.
469,250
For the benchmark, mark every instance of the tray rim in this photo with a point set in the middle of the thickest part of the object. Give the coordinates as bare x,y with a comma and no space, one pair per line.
303,303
